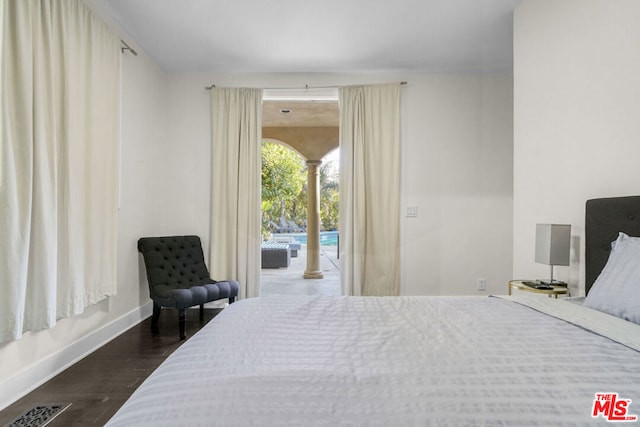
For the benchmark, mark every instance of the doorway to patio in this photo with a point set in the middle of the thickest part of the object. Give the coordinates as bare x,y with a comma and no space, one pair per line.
305,223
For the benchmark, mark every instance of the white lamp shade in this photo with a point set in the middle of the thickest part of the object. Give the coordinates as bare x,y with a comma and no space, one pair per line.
553,243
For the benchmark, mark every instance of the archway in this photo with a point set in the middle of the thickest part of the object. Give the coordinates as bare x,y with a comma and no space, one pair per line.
308,122
313,143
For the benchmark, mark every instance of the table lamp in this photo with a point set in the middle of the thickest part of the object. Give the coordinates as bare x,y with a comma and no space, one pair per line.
553,243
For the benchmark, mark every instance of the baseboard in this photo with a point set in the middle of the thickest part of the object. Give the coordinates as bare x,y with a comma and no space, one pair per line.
33,377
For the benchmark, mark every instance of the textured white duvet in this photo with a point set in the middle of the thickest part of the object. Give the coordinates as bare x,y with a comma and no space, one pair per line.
392,361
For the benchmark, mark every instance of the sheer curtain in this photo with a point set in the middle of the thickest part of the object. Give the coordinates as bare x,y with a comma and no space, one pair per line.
235,198
369,189
59,106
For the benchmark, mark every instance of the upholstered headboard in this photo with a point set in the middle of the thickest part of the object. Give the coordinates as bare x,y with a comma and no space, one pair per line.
604,219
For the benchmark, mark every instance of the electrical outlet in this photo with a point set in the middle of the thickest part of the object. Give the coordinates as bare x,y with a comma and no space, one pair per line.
412,211
482,284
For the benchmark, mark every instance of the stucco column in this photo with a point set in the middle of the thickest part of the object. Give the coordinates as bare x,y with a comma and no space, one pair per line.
313,221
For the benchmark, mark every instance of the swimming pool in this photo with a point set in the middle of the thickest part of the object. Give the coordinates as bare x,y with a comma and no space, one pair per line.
327,238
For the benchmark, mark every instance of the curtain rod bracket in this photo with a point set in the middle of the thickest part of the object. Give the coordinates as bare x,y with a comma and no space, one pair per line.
127,47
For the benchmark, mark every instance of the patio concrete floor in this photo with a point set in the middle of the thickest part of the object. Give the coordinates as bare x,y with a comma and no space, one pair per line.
290,281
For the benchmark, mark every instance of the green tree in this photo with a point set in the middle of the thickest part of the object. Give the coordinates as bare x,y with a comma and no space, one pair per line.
284,189
283,179
329,195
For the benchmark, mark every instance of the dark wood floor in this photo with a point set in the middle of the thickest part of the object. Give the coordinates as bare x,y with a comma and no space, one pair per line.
100,383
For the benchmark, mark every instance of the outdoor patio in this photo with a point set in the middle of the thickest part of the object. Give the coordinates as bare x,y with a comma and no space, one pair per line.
290,281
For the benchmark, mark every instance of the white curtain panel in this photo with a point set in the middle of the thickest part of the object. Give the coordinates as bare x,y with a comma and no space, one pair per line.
369,189
236,176
59,106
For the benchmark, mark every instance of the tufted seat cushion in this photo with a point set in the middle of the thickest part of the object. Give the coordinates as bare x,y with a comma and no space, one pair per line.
177,274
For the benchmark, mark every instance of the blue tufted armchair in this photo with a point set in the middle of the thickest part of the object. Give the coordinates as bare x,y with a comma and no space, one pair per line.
178,277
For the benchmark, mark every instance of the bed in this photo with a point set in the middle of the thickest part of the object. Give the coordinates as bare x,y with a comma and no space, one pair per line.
410,361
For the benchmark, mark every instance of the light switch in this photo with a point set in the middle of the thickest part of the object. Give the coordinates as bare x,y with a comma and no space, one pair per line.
412,211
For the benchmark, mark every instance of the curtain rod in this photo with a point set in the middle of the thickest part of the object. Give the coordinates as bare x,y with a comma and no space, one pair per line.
127,47
306,87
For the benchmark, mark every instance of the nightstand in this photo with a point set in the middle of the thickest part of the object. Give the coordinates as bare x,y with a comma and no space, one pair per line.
519,285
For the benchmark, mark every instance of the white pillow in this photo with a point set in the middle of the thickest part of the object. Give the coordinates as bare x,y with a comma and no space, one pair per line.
616,291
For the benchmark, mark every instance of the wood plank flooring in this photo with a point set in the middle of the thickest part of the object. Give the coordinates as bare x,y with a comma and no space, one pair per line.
100,383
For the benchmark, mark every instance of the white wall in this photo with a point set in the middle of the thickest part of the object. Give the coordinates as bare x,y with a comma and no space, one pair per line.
456,167
576,127
143,210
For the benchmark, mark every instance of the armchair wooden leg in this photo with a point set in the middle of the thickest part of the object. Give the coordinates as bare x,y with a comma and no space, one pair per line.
181,321
201,312
154,318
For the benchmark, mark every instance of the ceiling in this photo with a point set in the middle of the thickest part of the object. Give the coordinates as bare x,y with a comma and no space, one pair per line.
328,36
300,114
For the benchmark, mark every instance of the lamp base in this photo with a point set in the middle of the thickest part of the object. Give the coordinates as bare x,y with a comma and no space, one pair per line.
553,282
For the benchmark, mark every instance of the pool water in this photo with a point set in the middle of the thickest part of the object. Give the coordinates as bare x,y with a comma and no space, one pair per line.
327,238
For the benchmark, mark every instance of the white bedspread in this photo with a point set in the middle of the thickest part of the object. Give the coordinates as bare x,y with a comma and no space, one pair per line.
405,361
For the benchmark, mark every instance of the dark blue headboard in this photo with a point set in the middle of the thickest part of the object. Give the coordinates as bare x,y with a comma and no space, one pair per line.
604,219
